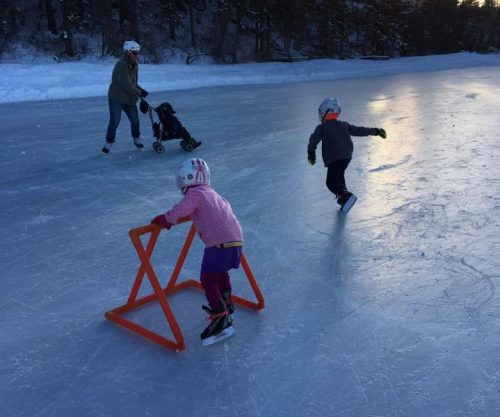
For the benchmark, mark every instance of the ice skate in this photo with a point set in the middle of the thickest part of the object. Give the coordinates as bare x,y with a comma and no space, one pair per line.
346,201
220,327
138,143
107,147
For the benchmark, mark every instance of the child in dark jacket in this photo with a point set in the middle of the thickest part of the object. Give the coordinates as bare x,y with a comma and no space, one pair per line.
337,148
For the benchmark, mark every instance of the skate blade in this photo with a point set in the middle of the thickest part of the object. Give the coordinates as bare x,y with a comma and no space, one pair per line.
227,332
349,203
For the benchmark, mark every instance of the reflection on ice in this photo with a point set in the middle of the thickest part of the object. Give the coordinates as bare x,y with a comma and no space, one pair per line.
391,310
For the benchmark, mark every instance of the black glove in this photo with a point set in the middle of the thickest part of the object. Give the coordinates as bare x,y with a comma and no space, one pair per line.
144,106
311,157
381,133
144,93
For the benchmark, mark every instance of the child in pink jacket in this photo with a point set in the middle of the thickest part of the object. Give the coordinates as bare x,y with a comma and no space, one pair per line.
221,233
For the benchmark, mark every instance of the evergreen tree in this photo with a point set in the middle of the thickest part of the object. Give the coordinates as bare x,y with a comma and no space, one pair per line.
292,21
385,26
228,28
333,24
437,27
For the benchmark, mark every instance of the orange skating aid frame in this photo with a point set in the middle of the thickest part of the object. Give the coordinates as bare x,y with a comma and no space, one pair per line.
160,293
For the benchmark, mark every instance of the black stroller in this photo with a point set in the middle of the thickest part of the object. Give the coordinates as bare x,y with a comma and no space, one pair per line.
169,127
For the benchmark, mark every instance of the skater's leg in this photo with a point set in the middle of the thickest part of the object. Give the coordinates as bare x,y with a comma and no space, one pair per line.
220,325
335,180
224,282
210,281
133,116
343,164
225,290
115,112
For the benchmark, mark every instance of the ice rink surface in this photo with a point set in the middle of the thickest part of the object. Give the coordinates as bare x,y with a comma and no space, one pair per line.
389,311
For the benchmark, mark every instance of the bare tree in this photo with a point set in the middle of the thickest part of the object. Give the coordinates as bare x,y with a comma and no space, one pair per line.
67,17
51,18
221,23
134,20
193,8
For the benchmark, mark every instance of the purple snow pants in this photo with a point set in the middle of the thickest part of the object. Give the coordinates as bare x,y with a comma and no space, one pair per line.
214,276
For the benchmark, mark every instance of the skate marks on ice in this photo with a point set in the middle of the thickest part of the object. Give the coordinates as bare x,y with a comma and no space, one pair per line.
385,167
449,257
480,284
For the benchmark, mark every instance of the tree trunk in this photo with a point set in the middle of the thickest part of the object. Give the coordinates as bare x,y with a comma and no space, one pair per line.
102,14
134,20
192,23
122,14
51,19
237,35
257,36
220,31
39,17
67,34
267,51
171,28
494,27
81,10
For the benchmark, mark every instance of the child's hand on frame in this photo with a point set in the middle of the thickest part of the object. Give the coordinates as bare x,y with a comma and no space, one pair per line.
161,221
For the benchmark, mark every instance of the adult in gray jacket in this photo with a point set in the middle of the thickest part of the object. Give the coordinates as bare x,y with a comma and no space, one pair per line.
123,93
337,148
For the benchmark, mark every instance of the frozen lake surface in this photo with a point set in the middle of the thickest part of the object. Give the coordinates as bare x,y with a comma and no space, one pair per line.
389,311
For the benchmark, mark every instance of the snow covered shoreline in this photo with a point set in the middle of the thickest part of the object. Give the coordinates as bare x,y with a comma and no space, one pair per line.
34,82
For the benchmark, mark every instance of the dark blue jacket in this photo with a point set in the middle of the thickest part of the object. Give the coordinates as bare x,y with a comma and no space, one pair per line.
335,136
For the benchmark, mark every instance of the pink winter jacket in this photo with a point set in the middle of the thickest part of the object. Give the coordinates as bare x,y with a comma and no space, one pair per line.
212,216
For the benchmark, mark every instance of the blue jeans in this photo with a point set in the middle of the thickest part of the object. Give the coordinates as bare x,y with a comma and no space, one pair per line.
115,114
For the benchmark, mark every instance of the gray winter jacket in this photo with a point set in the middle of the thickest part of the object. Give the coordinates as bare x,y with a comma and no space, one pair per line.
124,87
335,136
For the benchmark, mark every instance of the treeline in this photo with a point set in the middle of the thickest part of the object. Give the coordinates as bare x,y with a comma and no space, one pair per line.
247,30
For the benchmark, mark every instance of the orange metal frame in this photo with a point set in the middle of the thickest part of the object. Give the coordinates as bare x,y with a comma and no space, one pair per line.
160,293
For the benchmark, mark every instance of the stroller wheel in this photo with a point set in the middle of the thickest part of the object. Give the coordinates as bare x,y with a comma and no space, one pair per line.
187,146
158,147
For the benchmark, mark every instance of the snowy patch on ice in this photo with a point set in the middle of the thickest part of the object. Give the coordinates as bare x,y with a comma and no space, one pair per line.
52,80
42,219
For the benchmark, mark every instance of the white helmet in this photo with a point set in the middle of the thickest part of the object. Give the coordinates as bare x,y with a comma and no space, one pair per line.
131,46
193,171
329,105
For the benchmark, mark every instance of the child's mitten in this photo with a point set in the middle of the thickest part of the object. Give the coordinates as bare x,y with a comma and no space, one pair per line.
160,220
382,133
311,157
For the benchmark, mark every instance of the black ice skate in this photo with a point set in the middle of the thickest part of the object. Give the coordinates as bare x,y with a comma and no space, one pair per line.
228,301
220,327
107,147
346,201
138,143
